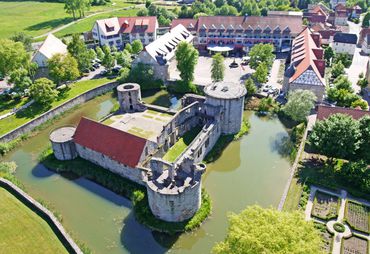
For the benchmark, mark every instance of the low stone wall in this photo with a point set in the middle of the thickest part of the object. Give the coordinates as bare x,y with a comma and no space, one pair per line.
57,227
29,126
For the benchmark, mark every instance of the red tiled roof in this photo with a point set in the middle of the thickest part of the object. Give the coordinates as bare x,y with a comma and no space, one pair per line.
116,144
324,112
307,55
294,23
137,24
189,24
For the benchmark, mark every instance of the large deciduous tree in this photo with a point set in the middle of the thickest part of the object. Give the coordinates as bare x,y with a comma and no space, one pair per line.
20,79
218,68
261,73
250,86
75,7
338,136
258,230
137,47
299,105
78,50
261,53
124,58
63,68
12,56
43,91
337,69
329,55
25,39
364,149
187,58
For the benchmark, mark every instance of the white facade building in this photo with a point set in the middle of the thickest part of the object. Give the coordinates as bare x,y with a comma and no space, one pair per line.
344,43
51,46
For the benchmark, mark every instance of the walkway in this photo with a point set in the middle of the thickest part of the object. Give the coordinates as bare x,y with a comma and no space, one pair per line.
15,110
337,239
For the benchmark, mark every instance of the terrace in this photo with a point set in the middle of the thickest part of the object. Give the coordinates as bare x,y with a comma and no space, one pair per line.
147,124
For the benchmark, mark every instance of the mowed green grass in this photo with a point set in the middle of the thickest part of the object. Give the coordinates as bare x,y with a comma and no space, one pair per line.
23,231
87,24
33,18
181,144
33,111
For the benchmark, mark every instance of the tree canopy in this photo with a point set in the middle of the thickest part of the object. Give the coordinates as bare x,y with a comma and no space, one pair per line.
25,39
250,86
261,53
337,69
43,92
12,56
63,68
261,73
299,105
258,230
78,50
338,136
218,68
137,47
187,58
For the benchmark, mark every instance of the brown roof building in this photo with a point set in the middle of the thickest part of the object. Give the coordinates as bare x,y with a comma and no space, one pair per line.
307,67
239,32
324,112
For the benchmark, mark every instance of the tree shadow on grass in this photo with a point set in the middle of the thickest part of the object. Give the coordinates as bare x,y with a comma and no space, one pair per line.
50,24
32,111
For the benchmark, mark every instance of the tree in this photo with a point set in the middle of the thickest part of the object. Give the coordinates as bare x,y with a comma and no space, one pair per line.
337,69
258,230
187,58
338,136
364,126
362,82
70,6
218,68
43,91
366,20
250,86
360,103
25,39
12,56
77,6
124,58
137,47
261,53
20,79
124,73
143,74
99,53
128,48
261,73
299,105
79,51
108,61
63,68
329,55
346,59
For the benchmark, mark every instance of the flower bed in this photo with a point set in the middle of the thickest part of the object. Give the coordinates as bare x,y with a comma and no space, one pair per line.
357,216
354,245
325,206
339,227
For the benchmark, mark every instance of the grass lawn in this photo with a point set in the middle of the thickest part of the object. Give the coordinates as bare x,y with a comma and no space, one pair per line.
36,18
87,24
294,195
23,116
7,105
23,231
181,144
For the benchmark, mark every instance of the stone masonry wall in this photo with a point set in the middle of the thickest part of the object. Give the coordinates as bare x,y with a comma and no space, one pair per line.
175,207
29,126
133,174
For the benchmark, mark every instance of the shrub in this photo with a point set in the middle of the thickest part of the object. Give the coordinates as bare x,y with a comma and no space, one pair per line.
339,227
182,87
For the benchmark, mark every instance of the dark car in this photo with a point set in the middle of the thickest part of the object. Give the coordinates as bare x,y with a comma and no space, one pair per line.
96,65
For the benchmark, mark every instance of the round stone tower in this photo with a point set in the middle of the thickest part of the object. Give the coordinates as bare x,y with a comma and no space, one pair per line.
62,143
129,97
229,98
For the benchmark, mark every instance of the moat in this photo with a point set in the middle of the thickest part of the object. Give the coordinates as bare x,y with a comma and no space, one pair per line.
249,171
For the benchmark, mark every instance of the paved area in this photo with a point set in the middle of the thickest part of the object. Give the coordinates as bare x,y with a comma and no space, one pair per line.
337,239
151,123
359,63
274,74
202,73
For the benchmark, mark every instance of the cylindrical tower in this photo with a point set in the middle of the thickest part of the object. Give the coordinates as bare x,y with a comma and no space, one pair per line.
129,97
229,97
62,143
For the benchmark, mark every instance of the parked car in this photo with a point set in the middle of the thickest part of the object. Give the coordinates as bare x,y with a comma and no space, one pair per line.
103,72
116,68
96,65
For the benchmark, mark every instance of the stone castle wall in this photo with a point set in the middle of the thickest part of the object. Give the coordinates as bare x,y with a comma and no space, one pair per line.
175,207
29,126
133,174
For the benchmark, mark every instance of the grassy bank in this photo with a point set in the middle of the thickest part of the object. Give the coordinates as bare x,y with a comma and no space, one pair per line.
35,110
181,144
23,231
224,140
127,188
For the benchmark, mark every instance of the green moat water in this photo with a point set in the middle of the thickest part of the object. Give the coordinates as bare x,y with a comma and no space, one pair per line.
250,171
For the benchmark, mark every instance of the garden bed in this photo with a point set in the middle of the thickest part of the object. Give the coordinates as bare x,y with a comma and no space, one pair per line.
357,216
355,245
325,206
326,236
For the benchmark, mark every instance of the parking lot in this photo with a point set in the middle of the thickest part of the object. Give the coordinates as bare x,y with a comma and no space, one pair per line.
202,74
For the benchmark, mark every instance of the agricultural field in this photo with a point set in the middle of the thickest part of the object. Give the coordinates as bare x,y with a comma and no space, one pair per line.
354,245
36,235
36,18
325,206
357,216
